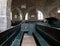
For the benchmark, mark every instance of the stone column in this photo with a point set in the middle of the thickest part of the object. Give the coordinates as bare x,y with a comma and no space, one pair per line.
11,15
5,21
20,16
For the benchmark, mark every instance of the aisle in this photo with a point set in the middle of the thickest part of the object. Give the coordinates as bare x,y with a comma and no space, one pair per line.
28,41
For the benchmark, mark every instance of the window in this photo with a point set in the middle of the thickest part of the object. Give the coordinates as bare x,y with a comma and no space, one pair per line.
58,11
40,15
26,16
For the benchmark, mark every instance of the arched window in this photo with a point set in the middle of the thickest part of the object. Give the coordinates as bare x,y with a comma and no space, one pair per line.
40,15
26,16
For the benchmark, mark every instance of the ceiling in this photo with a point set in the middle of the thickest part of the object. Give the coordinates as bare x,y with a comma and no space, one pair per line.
45,6
33,3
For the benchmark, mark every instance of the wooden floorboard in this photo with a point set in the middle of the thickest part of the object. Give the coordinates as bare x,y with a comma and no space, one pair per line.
28,41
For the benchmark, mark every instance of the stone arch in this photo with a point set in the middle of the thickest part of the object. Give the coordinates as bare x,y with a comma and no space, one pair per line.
18,12
27,12
17,9
32,13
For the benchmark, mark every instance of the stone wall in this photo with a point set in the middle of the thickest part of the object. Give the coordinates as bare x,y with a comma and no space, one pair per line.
4,16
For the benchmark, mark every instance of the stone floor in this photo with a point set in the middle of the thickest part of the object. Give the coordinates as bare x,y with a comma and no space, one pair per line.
28,41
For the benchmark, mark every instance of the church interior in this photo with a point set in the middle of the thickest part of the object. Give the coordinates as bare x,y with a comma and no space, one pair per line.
29,23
